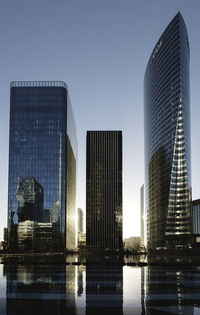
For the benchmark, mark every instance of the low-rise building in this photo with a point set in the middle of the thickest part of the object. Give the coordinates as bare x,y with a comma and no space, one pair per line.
196,221
133,242
81,240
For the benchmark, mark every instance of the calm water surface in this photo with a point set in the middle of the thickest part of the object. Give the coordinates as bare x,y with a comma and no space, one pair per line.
98,289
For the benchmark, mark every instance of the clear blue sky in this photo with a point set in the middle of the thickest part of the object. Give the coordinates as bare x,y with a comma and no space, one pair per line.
100,48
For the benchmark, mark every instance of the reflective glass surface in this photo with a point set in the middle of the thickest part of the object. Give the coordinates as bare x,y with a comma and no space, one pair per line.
167,139
42,153
196,216
98,289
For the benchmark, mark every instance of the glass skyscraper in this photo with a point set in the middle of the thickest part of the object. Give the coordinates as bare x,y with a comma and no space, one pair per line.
104,190
80,220
167,139
42,167
142,215
196,216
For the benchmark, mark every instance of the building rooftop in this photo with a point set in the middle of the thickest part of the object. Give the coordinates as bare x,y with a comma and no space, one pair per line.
38,84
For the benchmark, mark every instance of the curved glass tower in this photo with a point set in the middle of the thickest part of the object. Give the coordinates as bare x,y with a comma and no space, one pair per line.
167,139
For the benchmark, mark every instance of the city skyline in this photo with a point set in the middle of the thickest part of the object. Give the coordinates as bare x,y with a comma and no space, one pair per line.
102,59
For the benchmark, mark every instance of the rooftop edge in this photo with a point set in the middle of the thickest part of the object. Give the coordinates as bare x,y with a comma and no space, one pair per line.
38,84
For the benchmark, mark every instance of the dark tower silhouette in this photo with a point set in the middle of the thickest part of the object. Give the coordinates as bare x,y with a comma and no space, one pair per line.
104,190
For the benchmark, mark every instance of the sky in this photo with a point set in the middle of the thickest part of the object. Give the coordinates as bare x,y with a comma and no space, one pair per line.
100,48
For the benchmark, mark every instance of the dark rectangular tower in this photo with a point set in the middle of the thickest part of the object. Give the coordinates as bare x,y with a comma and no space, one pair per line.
42,167
104,189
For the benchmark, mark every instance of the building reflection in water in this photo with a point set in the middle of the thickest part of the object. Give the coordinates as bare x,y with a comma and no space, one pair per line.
99,288
41,289
81,269
170,290
104,288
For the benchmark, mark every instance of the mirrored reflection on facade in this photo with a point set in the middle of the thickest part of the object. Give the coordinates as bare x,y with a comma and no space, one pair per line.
167,139
104,288
42,168
158,198
170,290
40,289
34,230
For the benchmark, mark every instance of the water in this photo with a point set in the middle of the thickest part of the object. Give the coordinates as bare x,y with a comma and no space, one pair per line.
98,289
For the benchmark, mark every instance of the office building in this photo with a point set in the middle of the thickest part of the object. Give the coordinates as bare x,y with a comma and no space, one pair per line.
80,220
5,238
81,240
42,167
104,190
142,215
196,216
167,139
81,234
133,242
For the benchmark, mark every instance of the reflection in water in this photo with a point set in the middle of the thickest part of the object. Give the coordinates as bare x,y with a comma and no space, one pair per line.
40,289
170,290
71,289
104,288
100,287
80,280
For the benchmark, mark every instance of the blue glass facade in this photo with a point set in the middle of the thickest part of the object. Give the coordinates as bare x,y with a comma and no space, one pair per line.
167,139
42,167
196,216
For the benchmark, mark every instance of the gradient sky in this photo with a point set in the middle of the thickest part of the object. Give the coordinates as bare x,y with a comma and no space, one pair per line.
100,48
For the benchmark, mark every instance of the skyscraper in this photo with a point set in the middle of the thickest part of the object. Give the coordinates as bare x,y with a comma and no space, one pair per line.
196,216
80,220
104,189
42,167
142,214
167,139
